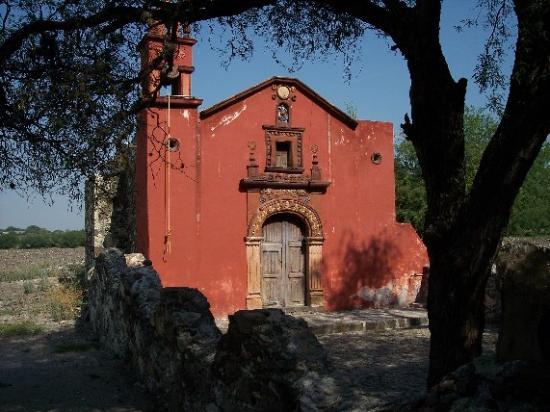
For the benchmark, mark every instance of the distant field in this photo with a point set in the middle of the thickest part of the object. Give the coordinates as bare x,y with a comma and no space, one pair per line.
21,264
38,287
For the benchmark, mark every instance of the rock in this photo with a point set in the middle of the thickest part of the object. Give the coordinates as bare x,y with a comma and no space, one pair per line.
485,385
134,260
269,361
525,325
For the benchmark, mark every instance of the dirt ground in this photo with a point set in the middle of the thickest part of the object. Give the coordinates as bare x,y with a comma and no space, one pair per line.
48,365
62,370
14,259
57,368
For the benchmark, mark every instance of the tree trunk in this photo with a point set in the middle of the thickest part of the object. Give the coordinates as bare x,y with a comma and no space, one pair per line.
463,231
459,268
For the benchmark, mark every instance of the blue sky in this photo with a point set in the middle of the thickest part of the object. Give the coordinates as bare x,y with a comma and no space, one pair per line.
378,90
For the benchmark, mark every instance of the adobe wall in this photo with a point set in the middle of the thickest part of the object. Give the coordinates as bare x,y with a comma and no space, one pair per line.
368,259
266,360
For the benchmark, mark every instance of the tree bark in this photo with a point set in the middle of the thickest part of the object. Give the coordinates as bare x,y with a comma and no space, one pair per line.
463,230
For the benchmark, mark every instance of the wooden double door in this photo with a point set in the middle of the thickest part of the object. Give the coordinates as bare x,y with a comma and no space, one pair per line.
283,262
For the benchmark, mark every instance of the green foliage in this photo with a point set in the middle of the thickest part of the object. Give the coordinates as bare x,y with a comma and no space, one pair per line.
36,237
531,211
9,240
411,193
19,329
28,287
478,130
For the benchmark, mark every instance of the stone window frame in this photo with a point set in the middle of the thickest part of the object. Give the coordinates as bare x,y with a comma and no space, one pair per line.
279,134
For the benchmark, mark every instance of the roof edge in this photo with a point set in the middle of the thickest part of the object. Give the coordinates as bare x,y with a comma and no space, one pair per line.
308,91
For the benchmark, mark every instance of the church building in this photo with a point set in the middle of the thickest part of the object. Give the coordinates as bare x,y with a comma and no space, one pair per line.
271,198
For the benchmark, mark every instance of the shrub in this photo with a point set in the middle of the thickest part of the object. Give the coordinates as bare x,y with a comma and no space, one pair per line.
64,302
9,241
35,237
34,271
28,287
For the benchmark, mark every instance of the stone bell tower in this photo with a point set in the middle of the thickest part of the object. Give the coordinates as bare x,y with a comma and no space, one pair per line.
167,159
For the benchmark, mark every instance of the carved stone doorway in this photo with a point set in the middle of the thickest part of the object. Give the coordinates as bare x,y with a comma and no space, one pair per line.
312,246
283,262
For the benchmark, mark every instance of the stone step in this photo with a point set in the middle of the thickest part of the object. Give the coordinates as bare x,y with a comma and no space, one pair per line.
358,320
364,320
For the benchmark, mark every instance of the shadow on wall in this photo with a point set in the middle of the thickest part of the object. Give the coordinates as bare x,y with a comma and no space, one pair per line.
365,274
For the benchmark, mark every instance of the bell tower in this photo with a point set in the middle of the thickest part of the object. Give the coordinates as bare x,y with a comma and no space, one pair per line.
167,155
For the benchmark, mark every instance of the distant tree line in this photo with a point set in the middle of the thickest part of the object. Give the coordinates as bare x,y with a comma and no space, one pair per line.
531,210
36,237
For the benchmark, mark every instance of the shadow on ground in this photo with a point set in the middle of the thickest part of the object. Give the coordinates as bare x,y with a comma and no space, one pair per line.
380,368
377,368
62,370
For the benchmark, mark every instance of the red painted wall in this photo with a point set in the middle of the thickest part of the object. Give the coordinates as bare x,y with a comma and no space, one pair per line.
368,258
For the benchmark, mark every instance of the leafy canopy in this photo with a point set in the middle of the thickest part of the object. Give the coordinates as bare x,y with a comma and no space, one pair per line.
531,210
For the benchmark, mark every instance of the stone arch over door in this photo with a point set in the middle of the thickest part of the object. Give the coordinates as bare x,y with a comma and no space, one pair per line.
314,249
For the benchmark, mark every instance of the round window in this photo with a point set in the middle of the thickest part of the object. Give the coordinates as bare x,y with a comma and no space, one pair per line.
173,144
376,158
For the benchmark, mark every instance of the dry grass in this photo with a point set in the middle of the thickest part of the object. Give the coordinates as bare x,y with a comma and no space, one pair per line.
26,264
40,286
34,271
63,301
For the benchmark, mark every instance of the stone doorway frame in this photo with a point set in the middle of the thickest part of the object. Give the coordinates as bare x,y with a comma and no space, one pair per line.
314,249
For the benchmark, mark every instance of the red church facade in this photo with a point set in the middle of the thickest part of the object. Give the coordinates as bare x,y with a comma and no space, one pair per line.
271,198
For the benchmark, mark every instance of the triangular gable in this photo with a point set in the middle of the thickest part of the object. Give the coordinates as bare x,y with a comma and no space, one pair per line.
335,111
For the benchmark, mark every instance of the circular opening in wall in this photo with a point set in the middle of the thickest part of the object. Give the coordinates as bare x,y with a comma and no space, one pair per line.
376,158
173,144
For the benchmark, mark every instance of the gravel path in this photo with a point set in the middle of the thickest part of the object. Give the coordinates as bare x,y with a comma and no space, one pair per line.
375,369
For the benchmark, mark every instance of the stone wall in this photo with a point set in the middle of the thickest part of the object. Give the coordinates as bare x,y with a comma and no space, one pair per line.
109,212
524,269
266,361
511,249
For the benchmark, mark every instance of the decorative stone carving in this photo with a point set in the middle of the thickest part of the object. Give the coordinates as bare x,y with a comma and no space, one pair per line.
252,167
293,206
283,114
315,170
253,297
272,194
294,135
283,92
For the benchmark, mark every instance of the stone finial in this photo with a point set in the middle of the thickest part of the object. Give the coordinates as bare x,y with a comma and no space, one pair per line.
252,167
315,170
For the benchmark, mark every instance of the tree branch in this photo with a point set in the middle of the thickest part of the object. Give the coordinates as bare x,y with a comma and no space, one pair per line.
509,154
186,12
